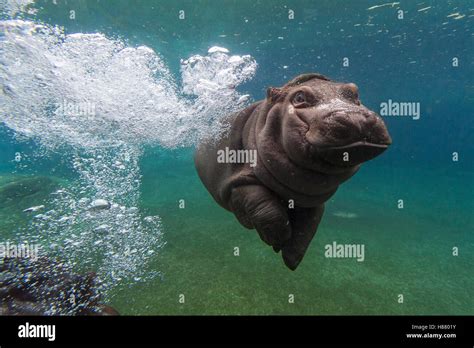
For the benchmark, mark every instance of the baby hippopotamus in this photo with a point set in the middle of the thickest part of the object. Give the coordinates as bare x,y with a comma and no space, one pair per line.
284,156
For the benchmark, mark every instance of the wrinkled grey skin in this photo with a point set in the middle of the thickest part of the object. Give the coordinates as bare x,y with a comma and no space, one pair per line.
311,135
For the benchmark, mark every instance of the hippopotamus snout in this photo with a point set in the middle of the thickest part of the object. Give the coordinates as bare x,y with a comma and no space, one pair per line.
347,137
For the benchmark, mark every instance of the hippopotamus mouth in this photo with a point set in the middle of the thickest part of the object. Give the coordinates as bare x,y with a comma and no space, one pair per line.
352,154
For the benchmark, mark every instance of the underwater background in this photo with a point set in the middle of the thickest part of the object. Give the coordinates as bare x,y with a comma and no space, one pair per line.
131,68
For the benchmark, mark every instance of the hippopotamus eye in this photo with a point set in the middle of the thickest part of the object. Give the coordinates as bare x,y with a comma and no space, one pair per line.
299,98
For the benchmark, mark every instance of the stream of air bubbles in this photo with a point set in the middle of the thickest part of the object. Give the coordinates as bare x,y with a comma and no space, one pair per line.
98,101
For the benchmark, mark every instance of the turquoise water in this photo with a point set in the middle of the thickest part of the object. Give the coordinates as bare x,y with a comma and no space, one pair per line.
408,251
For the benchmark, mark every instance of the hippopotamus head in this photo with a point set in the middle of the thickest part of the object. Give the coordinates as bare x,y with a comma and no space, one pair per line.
324,125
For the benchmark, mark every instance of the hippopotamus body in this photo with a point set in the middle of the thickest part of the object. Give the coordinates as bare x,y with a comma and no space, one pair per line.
305,139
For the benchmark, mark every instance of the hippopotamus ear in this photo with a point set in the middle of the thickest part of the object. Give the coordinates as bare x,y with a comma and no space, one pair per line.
273,94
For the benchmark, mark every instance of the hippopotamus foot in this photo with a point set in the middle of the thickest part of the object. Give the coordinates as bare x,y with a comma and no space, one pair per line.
304,224
288,230
257,207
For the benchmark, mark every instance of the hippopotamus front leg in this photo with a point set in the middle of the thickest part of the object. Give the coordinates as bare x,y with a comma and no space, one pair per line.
304,224
257,207
285,229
